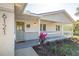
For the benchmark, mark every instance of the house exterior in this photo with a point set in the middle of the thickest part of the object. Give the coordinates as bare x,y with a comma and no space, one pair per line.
15,26
57,24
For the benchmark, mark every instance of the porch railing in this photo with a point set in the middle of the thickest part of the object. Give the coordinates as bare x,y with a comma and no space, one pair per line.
22,36
68,33
34,35
30,35
53,33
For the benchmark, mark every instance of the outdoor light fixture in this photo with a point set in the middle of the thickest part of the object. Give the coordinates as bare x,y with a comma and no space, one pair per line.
4,24
35,24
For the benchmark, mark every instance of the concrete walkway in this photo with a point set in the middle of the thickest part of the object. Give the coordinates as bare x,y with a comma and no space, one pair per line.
25,52
26,44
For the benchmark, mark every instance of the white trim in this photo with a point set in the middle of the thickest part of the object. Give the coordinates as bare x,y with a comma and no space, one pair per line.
39,27
62,29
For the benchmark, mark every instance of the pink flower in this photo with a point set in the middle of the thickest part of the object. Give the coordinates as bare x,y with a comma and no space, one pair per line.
43,35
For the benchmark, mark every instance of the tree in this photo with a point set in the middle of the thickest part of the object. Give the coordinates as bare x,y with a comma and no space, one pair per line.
76,24
77,13
77,20
76,27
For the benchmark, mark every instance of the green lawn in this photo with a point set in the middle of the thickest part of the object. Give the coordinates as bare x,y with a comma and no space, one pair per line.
66,49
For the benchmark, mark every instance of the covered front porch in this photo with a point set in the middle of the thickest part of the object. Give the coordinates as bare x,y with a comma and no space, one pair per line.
30,29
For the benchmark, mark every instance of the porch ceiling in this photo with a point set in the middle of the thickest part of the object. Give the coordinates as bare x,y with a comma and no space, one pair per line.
46,20
19,7
54,21
25,17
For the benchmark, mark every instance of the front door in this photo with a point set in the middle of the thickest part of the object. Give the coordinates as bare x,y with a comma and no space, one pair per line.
19,31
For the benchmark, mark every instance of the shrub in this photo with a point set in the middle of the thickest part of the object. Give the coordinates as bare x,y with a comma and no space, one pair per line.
65,50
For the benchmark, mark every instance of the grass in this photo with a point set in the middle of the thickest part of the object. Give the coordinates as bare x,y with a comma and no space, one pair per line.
70,50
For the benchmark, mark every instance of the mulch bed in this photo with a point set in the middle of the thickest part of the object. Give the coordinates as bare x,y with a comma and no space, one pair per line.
43,50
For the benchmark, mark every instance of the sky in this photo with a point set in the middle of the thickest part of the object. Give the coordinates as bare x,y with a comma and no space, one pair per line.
42,8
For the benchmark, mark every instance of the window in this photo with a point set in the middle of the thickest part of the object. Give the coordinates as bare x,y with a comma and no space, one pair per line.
57,28
42,27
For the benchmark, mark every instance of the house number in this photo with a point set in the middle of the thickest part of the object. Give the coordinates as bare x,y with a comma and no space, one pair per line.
4,24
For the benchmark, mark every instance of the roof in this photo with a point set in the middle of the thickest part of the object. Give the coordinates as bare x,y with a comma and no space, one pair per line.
52,13
57,12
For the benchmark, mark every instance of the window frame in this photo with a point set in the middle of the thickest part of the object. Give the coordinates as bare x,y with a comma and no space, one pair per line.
57,27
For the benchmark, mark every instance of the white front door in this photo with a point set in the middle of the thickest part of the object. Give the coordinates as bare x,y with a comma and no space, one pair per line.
19,31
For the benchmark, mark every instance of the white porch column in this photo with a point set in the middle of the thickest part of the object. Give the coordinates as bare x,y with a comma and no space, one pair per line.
62,30
39,27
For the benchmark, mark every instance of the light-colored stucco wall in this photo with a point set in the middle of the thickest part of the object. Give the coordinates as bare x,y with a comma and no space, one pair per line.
7,40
